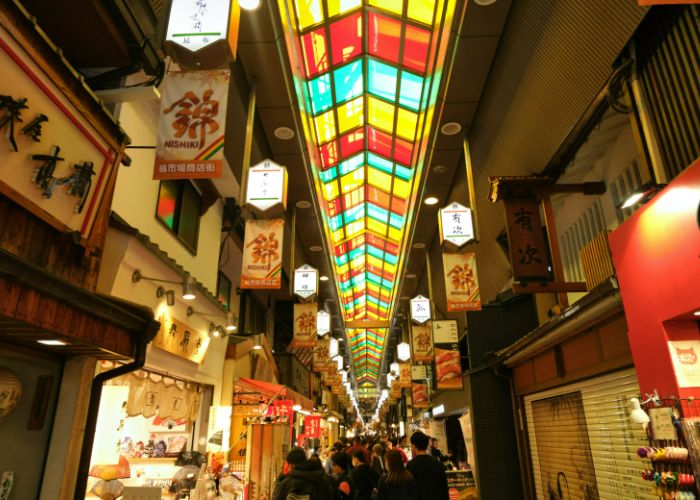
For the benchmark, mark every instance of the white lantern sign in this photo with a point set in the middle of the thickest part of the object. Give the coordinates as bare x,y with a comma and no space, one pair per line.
266,186
305,281
420,309
456,225
193,24
323,323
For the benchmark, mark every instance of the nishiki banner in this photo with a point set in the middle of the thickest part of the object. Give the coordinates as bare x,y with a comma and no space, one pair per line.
461,282
421,396
192,125
404,380
422,343
305,326
262,254
448,365
321,357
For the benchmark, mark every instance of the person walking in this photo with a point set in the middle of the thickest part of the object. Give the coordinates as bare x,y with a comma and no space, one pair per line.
364,479
435,451
393,444
357,446
302,478
429,473
343,484
398,483
378,465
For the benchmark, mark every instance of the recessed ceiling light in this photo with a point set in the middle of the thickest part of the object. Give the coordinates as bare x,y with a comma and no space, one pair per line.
419,245
410,276
451,128
284,133
249,4
440,169
404,297
52,342
484,3
316,248
430,200
303,204
324,278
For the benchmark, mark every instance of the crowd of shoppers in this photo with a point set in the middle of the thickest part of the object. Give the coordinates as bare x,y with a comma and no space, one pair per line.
365,471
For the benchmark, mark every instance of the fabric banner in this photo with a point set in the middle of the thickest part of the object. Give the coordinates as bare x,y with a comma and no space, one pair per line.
422,343
421,396
448,365
321,356
192,125
305,327
239,421
461,282
262,254
312,426
465,422
404,380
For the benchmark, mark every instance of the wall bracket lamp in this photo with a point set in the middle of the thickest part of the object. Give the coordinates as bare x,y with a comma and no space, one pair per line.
643,194
187,283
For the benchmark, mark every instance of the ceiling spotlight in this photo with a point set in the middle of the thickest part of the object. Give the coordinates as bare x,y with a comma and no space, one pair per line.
451,128
410,276
250,5
187,291
169,295
430,200
316,248
419,245
645,193
484,3
284,133
324,278
303,204
440,169
52,342
697,313
257,342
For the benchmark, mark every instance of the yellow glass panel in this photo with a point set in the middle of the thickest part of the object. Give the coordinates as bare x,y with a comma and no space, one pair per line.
309,12
401,188
395,234
330,190
337,7
406,124
376,226
389,267
355,227
373,287
374,261
395,6
380,114
337,236
353,180
421,10
379,179
342,269
325,127
351,115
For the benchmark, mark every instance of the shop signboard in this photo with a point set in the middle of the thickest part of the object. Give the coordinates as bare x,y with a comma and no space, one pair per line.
395,392
305,326
321,358
219,429
419,372
312,426
181,339
528,250
422,343
266,186
239,420
461,485
192,125
194,25
456,225
461,282
52,160
305,281
420,395
420,309
404,381
262,254
448,365
684,354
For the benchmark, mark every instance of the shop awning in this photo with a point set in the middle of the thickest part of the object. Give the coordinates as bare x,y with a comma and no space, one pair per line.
247,386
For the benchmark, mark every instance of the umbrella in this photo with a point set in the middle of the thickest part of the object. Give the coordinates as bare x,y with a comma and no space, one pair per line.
108,490
120,470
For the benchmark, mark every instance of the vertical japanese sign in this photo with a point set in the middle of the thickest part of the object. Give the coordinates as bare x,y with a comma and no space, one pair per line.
461,282
456,225
195,24
448,365
305,281
192,124
422,343
266,186
321,356
404,380
528,249
239,421
283,409
420,309
312,426
395,392
421,395
262,254
305,325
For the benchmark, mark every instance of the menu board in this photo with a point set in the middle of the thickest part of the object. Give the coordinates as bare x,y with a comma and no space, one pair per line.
461,485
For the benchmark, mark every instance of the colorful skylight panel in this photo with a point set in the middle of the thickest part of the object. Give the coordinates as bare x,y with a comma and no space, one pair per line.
367,74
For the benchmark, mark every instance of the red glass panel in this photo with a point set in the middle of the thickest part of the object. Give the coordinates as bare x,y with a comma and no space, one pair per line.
329,154
415,50
352,143
346,38
341,249
392,248
376,241
356,242
333,207
379,142
398,206
403,150
374,294
384,37
315,52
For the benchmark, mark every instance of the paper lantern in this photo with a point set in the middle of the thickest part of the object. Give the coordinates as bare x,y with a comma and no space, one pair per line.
10,391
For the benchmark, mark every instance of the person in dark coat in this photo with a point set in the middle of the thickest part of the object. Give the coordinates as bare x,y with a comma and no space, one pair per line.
343,484
303,477
364,479
378,464
428,472
398,483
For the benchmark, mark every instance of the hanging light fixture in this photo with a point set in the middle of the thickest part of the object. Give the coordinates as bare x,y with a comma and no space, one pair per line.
395,368
230,324
403,351
339,359
257,342
333,348
187,285
187,288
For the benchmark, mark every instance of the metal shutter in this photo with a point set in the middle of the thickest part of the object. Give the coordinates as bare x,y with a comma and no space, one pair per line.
582,443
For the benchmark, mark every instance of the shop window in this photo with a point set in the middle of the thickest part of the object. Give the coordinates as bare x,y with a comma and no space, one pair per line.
179,208
223,290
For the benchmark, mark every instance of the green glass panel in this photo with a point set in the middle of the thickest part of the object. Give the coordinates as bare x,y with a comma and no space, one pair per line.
320,94
403,172
352,164
381,163
411,88
329,175
377,213
348,81
382,79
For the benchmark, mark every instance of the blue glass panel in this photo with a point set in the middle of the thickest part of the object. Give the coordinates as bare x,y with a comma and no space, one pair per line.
374,279
348,81
380,163
354,213
411,88
341,259
357,252
396,220
329,175
375,252
382,79
377,213
352,164
403,172
391,259
321,95
335,222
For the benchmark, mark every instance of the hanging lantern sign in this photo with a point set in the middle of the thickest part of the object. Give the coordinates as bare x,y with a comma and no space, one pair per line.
422,343
304,326
420,309
321,358
461,281
262,254
266,186
456,225
323,323
403,351
305,281
404,375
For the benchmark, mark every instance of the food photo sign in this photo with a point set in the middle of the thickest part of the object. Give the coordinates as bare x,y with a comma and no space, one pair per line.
448,365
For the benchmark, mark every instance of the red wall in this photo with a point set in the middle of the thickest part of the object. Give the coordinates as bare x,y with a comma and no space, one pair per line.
657,258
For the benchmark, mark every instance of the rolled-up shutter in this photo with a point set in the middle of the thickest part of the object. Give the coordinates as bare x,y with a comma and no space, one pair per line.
582,443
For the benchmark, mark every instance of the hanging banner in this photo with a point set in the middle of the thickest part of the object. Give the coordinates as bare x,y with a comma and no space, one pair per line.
192,125
420,309
312,426
262,255
305,281
239,421
461,282
456,225
448,365
404,380
465,422
527,246
266,186
421,396
419,372
305,326
181,339
321,357
395,392
422,343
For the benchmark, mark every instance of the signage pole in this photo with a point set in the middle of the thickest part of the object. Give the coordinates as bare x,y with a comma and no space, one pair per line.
471,188
248,146
430,283
292,252
557,266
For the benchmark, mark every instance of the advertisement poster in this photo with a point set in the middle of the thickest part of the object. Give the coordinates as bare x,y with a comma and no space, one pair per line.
404,380
422,343
461,282
305,326
262,254
461,485
192,125
448,365
421,396
321,357
684,354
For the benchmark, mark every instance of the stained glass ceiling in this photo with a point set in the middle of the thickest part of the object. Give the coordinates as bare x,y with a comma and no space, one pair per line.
366,75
